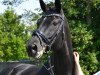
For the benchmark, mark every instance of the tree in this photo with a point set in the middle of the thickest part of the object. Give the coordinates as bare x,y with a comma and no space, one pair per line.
14,31
12,2
83,17
12,37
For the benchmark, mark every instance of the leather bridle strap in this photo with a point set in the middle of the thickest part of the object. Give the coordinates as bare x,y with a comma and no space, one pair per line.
40,35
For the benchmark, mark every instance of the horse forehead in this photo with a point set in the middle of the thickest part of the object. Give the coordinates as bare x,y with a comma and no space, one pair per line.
50,11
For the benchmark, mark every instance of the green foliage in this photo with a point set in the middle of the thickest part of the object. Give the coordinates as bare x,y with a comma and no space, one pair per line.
12,37
81,35
84,20
14,34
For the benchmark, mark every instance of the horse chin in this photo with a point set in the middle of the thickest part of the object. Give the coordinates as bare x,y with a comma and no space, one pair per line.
40,53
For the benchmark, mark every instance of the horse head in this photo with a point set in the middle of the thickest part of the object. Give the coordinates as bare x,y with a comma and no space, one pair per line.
49,28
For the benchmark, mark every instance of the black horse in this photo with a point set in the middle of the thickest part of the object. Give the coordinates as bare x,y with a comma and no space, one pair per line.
18,68
23,68
53,32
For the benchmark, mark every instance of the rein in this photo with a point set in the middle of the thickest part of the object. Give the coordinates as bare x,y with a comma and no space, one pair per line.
50,69
39,34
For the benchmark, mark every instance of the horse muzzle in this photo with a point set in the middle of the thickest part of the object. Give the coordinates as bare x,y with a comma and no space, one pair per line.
35,49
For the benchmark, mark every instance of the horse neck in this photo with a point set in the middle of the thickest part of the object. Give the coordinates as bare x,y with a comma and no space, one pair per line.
63,54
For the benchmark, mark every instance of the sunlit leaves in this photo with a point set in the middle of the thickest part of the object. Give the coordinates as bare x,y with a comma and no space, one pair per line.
84,21
12,37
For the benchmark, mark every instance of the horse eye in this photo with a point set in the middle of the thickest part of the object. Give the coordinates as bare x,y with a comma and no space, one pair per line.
54,23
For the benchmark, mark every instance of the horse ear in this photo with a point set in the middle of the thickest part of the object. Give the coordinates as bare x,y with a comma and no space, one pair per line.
43,6
58,5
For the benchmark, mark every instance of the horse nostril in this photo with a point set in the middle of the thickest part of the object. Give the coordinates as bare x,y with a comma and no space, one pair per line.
34,49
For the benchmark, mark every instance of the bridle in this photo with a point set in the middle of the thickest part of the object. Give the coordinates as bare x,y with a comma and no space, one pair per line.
39,34
46,40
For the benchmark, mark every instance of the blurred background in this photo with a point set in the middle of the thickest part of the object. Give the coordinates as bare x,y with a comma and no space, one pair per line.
18,20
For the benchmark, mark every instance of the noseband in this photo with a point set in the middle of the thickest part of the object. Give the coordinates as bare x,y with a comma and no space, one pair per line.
46,40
